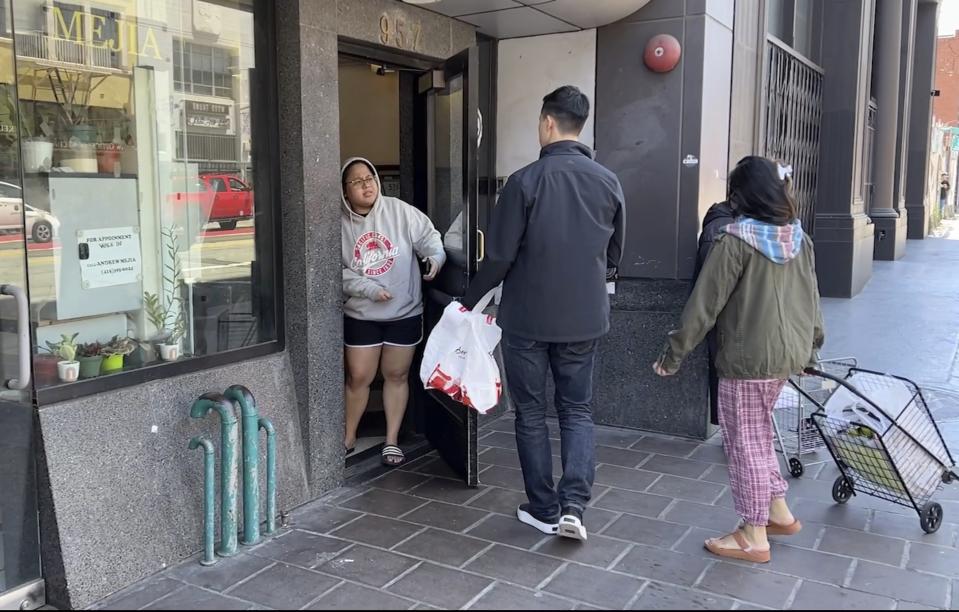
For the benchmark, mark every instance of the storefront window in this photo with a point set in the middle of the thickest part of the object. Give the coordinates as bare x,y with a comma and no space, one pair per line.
138,145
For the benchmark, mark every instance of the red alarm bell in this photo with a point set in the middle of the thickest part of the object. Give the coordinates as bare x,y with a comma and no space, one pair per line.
662,53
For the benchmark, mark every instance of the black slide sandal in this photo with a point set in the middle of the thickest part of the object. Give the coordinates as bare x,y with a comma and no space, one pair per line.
393,456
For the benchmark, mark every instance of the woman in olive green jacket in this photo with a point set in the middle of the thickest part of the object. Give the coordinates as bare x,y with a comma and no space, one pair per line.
758,289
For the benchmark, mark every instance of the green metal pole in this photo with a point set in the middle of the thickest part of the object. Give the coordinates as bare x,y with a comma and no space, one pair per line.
251,458
229,465
267,426
209,496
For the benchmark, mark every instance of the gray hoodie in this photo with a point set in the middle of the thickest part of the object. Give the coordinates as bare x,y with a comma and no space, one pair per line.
378,253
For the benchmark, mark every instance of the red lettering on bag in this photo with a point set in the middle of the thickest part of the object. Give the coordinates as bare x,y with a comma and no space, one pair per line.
441,381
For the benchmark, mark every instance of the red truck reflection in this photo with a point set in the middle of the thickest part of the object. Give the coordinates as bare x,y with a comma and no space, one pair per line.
217,198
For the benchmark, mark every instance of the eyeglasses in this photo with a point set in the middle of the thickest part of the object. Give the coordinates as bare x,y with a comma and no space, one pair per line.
364,182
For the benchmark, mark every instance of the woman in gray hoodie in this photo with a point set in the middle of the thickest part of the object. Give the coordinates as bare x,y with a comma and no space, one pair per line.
383,297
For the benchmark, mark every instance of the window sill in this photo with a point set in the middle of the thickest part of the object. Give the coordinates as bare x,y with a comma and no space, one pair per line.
150,373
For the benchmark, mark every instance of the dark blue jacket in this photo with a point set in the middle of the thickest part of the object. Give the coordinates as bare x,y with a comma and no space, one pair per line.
717,217
555,236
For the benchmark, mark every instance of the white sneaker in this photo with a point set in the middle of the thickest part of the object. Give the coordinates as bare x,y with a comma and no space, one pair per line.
524,516
571,525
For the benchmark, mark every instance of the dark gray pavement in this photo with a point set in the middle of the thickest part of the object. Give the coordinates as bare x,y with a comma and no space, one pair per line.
416,538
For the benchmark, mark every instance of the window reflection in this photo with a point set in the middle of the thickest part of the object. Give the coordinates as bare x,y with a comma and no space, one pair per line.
447,206
138,179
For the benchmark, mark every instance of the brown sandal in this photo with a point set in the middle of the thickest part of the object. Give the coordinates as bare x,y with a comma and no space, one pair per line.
778,529
745,552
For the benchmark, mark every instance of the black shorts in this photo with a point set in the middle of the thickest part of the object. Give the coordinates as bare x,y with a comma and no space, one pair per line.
363,334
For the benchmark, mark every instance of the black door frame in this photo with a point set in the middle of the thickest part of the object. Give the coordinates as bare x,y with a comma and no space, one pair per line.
479,92
450,426
405,63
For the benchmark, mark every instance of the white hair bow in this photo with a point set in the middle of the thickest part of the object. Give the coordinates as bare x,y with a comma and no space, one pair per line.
785,171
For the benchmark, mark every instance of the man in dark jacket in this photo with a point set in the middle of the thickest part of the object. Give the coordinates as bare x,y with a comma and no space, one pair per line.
555,238
717,217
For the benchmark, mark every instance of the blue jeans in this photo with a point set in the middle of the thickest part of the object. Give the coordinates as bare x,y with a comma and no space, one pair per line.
527,363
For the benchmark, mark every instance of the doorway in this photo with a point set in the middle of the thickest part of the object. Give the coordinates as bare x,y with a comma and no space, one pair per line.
419,123
377,99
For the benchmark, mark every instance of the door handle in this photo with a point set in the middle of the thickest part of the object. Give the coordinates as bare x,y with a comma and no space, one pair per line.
480,246
23,336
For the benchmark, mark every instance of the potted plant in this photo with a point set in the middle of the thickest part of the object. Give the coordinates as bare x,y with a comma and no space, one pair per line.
109,154
171,325
37,148
143,351
45,369
142,354
68,368
91,359
79,134
166,312
114,352
79,156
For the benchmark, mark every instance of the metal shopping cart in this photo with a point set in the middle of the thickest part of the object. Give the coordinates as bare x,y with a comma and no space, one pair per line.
880,431
792,416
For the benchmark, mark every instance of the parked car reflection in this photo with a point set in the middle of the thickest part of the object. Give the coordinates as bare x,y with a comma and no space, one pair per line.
41,226
233,200
218,198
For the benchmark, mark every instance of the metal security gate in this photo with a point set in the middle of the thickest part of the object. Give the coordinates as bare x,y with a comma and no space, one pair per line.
868,151
793,107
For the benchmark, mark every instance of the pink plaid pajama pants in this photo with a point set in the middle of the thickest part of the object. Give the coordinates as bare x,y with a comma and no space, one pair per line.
745,418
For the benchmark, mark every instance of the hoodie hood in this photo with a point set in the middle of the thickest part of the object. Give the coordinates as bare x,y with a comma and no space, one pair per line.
721,212
778,243
347,209
380,252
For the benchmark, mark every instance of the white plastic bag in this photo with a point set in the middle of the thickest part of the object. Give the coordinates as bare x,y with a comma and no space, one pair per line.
911,455
458,358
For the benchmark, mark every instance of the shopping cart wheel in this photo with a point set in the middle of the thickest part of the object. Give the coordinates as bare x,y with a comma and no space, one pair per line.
930,518
796,467
842,490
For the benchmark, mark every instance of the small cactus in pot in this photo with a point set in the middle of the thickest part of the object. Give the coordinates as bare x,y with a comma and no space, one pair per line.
68,368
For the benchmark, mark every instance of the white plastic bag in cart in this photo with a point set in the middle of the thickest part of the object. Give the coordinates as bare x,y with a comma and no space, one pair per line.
897,400
913,446
458,358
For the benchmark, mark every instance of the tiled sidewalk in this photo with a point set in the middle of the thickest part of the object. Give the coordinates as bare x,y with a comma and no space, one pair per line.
416,538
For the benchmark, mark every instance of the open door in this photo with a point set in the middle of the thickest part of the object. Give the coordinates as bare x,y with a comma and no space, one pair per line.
453,140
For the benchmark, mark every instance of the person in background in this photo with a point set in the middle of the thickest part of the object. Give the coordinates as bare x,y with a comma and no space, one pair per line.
381,240
555,238
717,217
943,194
758,288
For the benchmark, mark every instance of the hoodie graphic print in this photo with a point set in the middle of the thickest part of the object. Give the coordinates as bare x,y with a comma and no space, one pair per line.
374,254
